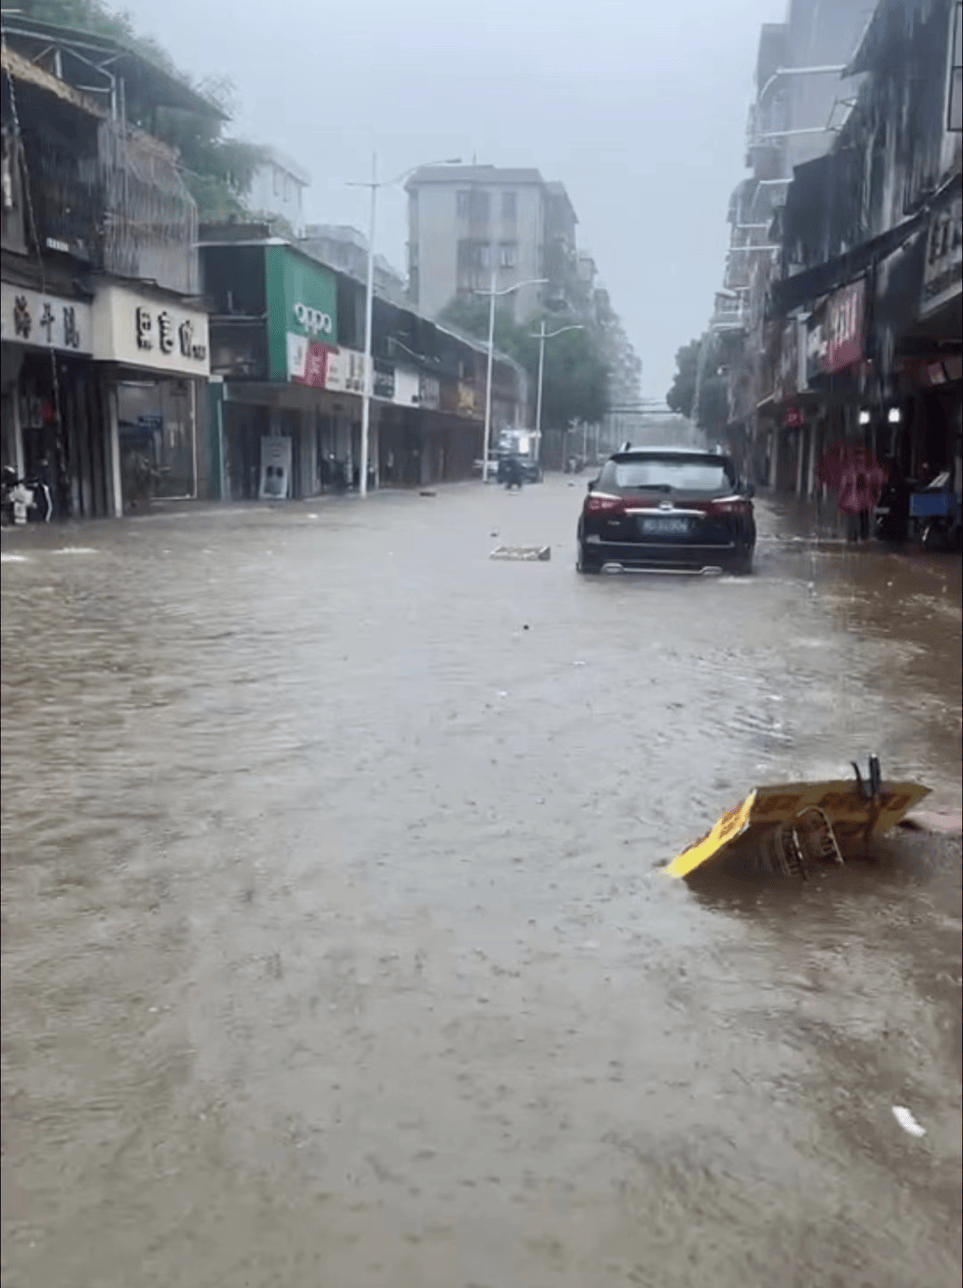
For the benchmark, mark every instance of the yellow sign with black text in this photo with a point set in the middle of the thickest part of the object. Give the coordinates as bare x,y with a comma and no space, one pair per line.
855,817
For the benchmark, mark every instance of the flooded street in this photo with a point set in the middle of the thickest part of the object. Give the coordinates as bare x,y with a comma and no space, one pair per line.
336,949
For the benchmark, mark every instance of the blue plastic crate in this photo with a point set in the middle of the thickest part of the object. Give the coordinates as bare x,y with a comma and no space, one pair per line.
930,505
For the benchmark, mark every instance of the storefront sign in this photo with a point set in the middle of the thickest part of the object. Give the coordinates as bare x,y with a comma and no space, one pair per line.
466,399
844,316
816,344
384,380
787,372
345,373
48,321
429,392
307,362
407,388
313,320
302,306
144,331
943,265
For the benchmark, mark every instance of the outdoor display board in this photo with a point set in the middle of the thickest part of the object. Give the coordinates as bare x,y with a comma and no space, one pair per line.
855,818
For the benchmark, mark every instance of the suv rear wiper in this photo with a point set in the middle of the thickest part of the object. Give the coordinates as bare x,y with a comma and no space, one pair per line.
650,487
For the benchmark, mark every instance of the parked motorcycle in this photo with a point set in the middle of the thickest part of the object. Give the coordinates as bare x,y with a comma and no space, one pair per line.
23,500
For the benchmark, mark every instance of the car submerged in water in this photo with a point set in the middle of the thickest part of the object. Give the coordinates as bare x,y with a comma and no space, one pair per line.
662,509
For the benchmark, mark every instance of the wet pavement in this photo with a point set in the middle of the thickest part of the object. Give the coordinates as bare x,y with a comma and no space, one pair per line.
336,949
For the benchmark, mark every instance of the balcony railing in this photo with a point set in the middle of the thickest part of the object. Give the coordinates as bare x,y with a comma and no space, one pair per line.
117,203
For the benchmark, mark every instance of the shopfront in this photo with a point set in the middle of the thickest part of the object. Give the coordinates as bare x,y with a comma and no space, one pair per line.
284,411
53,426
154,351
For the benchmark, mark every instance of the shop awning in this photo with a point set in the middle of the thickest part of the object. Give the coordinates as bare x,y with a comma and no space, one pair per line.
806,287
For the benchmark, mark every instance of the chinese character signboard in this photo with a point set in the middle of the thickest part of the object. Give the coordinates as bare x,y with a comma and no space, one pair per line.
943,264
145,331
302,316
844,326
384,380
787,372
407,388
816,343
307,362
345,371
29,317
466,399
429,392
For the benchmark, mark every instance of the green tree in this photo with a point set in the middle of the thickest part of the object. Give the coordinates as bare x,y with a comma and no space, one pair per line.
681,395
712,413
575,378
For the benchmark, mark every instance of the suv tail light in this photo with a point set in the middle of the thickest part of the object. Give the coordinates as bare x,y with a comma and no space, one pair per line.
604,503
736,506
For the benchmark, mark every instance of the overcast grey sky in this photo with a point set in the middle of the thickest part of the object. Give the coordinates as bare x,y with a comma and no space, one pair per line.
637,106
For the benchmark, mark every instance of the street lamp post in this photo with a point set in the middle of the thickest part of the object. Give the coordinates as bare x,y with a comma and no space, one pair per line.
493,294
367,381
541,337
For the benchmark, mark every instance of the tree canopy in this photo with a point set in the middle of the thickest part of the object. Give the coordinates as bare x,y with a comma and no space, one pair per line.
712,412
574,383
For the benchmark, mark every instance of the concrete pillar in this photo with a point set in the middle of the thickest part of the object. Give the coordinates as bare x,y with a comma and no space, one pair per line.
813,454
801,444
216,391
374,443
14,429
115,486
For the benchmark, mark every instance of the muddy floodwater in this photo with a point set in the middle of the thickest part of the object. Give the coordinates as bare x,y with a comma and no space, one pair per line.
336,946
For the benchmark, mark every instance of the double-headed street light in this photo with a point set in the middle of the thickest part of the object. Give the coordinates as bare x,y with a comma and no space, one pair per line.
493,294
541,336
374,183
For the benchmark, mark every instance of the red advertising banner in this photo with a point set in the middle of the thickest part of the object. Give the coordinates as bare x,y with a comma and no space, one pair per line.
315,366
844,326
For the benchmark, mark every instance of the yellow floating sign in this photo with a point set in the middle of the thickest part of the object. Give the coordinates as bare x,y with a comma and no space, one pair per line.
855,817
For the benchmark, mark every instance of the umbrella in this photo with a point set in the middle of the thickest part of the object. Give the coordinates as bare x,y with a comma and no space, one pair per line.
853,475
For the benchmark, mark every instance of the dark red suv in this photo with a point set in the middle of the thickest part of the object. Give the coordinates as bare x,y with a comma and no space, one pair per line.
667,509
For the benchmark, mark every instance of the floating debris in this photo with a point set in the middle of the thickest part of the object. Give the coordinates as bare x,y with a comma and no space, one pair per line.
798,825
525,554
907,1121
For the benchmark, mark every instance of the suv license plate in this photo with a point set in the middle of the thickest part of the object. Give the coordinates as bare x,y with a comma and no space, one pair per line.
665,527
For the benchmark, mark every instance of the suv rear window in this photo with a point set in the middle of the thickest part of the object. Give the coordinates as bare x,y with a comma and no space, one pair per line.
670,474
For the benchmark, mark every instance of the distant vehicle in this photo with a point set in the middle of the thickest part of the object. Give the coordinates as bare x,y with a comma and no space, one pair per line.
667,509
509,463
531,470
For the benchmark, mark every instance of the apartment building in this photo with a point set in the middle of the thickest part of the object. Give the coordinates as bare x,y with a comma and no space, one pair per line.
468,224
